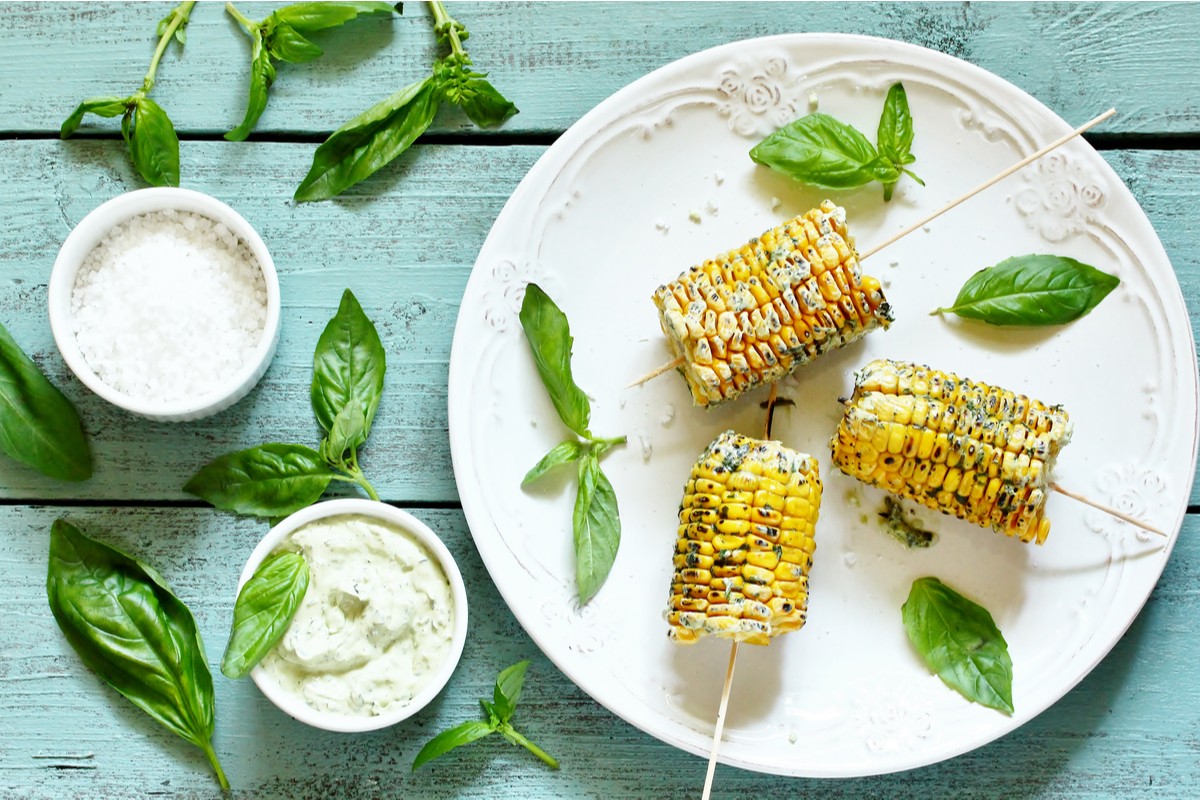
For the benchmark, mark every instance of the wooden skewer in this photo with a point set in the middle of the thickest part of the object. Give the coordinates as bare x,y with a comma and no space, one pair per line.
1029,159
712,756
654,373
1118,514
733,650
1024,162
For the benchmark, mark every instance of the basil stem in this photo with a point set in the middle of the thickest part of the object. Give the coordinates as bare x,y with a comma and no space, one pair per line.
958,640
119,616
145,126
1032,290
38,425
499,713
264,609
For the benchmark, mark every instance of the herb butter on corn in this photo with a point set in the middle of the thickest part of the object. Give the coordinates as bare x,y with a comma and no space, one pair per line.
978,452
745,542
754,314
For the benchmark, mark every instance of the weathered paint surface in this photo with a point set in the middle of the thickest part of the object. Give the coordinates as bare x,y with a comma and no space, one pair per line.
1130,729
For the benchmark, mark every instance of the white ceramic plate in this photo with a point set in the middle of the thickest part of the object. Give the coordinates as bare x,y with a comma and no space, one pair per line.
604,217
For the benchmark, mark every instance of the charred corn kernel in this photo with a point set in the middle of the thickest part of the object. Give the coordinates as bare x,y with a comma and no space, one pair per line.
978,452
752,584
775,303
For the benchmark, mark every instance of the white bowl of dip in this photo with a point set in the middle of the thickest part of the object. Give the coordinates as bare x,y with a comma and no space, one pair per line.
382,625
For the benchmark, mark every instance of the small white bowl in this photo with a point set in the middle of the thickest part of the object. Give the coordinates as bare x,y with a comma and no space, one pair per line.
293,704
91,230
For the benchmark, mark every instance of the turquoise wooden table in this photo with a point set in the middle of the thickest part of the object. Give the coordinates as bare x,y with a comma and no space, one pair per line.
405,241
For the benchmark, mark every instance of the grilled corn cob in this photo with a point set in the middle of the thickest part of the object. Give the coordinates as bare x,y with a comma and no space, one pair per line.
745,542
976,451
754,314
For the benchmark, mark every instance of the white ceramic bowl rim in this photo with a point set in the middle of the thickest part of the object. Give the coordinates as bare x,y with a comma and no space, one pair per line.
92,229
295,706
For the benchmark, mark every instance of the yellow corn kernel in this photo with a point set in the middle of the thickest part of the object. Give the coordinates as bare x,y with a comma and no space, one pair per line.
742,572
965,448
751,300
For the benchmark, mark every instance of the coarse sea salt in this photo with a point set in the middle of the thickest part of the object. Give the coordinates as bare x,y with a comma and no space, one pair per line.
169,306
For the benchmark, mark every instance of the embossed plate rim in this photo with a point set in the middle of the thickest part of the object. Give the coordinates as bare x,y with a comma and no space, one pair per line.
466,355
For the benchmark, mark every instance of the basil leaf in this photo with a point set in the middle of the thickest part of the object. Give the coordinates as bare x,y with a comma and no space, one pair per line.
309,17
820,150
265,607
489,711
562,453
38,424
270,480
550,340
286,44
444,742
597,528
262,75
348,431
508,690
348,367
370,141
481,101
484,104
959,641
895,136
127,626
100,106
153,144
1032,290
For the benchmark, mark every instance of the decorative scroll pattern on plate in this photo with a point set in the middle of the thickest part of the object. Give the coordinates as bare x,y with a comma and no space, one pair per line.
506,292
1133,489
1061,197
759,100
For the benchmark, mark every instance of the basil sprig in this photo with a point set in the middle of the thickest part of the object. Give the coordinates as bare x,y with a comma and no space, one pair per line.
265,607
374,138
824,151
499,712
145,126
280,37
960,643
596,521
276,479
119,616
38,425
1032,290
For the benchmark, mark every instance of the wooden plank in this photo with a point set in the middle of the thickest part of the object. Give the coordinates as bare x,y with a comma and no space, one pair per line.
406,255
404,242
1128,730
556,61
